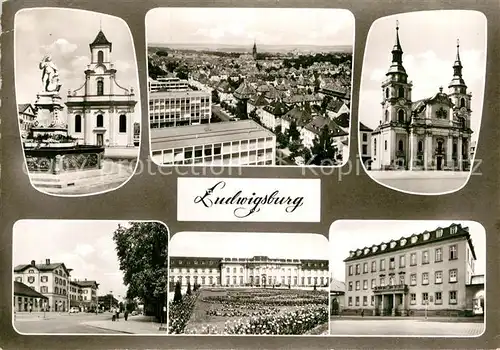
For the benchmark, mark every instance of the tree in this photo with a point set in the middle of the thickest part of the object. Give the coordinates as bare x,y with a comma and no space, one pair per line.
323,151
142,255
294,147
293,132
121,306
177,293
188,291
241,109
182,72
215,96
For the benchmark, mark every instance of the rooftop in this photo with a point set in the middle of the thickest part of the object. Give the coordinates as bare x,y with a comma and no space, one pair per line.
438,235
170,94
206,134
20,289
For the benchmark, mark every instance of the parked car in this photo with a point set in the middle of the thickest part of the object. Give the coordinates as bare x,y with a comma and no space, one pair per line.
74,310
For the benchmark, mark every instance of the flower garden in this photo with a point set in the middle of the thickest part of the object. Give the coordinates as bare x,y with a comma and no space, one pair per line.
250,311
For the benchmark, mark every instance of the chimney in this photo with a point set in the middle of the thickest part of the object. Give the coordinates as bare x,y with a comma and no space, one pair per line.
47,261
32,262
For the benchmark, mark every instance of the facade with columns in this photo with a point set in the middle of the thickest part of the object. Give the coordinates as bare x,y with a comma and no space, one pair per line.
257,271
428,134
428,272
101,112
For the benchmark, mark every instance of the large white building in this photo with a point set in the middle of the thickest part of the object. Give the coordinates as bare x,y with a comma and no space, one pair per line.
232,143
256,271
167,84
179,108
101,112
429,134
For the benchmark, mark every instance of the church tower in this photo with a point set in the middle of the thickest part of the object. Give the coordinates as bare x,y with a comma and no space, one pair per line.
396,90
458,91
254,51
100,72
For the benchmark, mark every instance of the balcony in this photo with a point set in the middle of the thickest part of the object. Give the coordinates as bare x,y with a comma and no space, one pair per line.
397,288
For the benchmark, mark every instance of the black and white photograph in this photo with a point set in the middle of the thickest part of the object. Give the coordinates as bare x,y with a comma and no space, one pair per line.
77,97
248,283
93,277
407,278
249,86
421,99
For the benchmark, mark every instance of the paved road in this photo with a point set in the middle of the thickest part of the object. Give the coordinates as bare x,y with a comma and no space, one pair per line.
60,323
413,327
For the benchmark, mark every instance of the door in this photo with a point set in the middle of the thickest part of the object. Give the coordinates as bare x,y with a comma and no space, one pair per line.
439,163
100,139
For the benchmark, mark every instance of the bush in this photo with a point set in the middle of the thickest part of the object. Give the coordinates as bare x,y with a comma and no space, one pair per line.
177,293
180,313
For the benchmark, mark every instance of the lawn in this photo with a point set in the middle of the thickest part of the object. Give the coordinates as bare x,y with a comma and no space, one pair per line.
257,311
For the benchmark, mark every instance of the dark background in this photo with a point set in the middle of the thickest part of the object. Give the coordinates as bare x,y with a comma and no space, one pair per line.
154,197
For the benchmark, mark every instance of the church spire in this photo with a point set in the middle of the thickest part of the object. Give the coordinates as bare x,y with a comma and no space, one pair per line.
254,50
397,56
457,69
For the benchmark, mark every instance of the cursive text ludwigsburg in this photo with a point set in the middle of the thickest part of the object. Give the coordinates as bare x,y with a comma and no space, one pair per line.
247,204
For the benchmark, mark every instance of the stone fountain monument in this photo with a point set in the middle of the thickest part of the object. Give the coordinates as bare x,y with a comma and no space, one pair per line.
53,158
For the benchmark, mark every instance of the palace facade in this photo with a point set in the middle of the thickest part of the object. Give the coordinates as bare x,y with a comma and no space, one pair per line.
429,134
431,272
257,271
101,112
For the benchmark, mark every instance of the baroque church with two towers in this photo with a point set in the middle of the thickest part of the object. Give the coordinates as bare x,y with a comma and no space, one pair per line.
428,134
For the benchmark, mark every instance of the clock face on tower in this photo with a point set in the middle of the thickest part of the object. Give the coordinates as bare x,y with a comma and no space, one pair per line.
402,101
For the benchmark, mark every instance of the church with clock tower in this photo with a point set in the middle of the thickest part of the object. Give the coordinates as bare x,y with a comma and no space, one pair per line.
101,112
428,134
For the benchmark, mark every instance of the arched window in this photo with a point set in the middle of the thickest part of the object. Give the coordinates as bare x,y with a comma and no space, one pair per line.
454,148
374,147
100,56
400,145
401,91
462,102
123,123
420,146
78,123
386,115
100,88
100,121
440,145
401,116
387,93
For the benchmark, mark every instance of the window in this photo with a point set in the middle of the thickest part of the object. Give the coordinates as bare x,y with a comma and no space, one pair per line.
438,298
365,284
392,264
365,149
439,255
387,93
123,123
374,266
453,275
350,301
365,137
420,146
373,300
19,279
462,102
374,147
44,289
413,298
374,283
401,116
401,91
402,279
413,259
382,264
391,280
350,270
358,269
78,123
402,261
453,252
385,145
358,285
228,270
100,56
365,268
438,277
439,233
425,257
382,281
357,301
453,297
413,279
350,286
453,230
100,88
400,146
425,298
100,121
425,278
365,300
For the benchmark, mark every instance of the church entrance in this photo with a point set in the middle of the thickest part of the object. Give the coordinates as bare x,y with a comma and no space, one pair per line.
100,139
439,163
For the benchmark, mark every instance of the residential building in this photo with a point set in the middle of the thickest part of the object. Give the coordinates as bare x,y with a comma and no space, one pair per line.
429,134
27,118
83,294
337,296
48,279
426,273
101,112
241,142
179,108
256,271
365,134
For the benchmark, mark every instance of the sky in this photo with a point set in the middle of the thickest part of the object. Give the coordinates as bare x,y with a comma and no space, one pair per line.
85,246
249,244
49,31
429,41
350,235
241,26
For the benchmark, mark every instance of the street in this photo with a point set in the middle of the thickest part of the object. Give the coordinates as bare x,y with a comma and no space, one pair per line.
60,323
398,327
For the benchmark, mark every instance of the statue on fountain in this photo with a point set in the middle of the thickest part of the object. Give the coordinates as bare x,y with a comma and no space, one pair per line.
50,75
